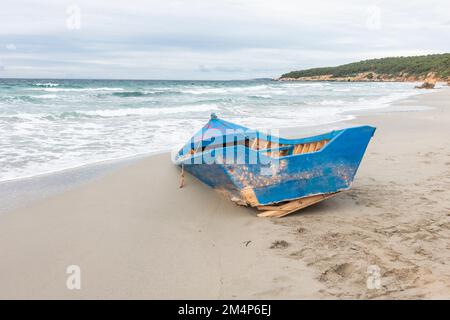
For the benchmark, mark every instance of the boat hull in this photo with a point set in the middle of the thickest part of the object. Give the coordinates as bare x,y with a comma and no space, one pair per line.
271,181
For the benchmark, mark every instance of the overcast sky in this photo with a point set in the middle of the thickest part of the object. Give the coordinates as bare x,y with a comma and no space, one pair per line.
209,39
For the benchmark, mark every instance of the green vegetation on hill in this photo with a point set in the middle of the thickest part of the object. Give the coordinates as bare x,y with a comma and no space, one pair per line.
395,66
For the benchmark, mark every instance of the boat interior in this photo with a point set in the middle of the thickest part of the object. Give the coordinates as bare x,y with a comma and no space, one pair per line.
281,148
275,150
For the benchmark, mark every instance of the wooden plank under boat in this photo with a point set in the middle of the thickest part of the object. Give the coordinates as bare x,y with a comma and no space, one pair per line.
276,175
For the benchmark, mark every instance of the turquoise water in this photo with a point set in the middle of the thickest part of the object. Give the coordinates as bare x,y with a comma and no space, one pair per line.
50,125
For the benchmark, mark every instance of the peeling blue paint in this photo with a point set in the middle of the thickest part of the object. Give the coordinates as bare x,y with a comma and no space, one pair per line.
236,166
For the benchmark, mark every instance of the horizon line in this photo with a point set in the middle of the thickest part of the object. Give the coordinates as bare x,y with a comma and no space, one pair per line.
129,79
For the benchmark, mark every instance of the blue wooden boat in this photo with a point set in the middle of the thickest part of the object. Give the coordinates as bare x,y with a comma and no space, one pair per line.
276,175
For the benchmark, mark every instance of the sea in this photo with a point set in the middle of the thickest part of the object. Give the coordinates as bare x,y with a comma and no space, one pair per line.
52,125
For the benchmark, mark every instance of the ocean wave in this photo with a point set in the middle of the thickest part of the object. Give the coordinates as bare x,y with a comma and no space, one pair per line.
127,94
19,98
342,90
332,102
46,84
149,111
67,115
257,88
226,90
204,91
145,93
306,84
10,118
47,96
36,118
220,101
77,89
260,96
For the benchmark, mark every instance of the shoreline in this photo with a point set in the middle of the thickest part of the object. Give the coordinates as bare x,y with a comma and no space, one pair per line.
135,234
41,186
53,183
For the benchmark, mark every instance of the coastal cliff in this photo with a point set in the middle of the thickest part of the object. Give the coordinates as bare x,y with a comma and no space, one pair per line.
394,69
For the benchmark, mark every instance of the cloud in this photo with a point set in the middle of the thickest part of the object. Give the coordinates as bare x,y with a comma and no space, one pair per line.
211,38
10,46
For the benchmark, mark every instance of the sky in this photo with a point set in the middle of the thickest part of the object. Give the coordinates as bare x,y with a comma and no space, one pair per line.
209,39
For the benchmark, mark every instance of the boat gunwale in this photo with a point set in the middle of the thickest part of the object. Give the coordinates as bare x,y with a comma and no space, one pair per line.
291,142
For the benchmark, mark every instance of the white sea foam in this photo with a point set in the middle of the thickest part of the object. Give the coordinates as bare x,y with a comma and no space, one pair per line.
204,91
48,96
225,90
342,90
150,111
46,84
333,102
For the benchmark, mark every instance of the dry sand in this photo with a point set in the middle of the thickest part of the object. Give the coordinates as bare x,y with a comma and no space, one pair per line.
134,234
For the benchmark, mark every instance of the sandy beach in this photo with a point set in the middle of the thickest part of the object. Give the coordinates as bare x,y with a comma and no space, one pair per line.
135,234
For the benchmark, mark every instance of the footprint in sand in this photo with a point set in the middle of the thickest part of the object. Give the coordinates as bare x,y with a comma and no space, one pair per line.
422,252
300,230
337,272
279,244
